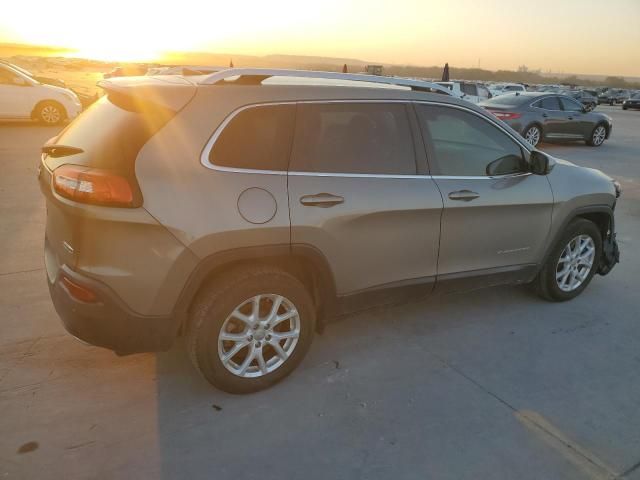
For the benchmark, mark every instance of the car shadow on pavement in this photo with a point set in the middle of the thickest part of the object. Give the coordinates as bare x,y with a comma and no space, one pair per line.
200,428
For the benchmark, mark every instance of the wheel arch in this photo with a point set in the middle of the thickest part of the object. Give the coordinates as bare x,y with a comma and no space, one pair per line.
303,261
534,123
600,215
38,105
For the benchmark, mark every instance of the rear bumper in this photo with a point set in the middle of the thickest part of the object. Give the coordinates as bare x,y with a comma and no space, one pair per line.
107,322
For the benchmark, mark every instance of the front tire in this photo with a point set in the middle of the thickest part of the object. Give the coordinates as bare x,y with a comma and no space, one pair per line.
533,135
50,113
572,263
598,136
250,328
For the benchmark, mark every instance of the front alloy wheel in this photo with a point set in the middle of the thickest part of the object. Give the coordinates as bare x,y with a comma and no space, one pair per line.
575,263
532,135
259,336
572,262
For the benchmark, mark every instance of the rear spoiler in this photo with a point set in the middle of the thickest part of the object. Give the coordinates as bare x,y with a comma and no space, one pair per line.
136,93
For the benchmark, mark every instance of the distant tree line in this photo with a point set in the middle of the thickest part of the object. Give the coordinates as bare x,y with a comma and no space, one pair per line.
522,75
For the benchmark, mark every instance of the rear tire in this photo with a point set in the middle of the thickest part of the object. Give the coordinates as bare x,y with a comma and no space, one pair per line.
224,319
598,136
50,113
533,135
554,282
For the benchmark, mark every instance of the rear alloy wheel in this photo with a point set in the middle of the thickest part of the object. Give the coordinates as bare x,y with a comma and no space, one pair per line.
50,113
572,262
598,136
250,328
533,134
259,336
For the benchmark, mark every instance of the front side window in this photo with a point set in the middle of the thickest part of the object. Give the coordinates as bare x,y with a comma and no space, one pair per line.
464,144
548,103
257,138
369,138
569,105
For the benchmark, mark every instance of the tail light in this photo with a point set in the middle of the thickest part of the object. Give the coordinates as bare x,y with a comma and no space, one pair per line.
92,185
506,115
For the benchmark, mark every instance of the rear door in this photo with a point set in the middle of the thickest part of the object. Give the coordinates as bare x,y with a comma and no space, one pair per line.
356,195
575,125
491,224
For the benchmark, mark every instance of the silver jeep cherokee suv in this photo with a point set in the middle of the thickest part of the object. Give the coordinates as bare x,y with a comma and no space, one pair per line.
243,208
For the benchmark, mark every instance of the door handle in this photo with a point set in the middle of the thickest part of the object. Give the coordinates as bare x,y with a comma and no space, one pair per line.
545,115
323,200
464,195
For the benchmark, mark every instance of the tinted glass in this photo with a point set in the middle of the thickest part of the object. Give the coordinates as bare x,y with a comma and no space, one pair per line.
111,135
257,138
464,144
469,89
549,103
507,101
372,138
570,105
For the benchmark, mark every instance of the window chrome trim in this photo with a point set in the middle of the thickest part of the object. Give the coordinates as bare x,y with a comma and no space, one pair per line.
206,151
480,177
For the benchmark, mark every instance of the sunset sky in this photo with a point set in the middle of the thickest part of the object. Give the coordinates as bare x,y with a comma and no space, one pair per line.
563,36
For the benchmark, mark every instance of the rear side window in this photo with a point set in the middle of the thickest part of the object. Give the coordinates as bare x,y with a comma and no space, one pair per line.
464,144
570,105
257,138
369,138
549,103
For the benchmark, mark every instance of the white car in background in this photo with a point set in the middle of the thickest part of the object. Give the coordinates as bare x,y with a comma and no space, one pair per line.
469,91
24,98
504,88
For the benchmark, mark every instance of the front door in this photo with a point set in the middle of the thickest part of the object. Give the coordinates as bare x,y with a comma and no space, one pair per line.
496,215
552,116
354,195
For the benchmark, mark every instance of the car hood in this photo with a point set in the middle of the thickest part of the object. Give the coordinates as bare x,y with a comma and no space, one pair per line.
566,164
54,88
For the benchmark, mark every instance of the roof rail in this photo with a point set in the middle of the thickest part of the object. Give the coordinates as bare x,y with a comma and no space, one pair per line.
255,76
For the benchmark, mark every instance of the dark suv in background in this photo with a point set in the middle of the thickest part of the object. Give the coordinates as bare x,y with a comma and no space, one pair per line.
540,116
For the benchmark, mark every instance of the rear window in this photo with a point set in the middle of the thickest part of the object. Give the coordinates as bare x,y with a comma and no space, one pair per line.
506,101
548,103
110,135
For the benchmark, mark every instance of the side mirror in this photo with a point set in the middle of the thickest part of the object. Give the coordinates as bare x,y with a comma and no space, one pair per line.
507,165
538,163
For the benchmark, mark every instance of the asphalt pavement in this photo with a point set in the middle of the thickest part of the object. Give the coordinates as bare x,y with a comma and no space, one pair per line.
493,384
